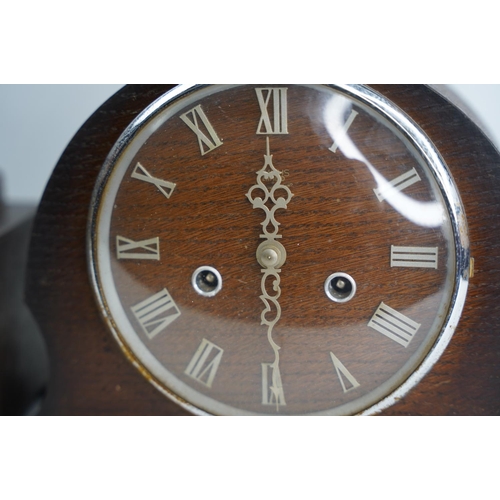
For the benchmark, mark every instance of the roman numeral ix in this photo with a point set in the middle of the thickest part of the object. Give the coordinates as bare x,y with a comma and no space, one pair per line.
144,250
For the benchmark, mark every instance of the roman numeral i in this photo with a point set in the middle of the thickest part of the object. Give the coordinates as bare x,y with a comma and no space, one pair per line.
346,128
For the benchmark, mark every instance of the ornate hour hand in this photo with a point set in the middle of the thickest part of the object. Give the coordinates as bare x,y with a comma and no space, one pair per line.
271,255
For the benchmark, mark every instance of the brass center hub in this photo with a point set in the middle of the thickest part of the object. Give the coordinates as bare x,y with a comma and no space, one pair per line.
271,254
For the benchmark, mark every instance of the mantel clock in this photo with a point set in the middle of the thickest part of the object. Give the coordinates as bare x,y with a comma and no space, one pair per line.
271,249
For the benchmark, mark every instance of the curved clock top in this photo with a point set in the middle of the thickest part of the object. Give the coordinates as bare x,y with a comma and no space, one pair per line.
278,249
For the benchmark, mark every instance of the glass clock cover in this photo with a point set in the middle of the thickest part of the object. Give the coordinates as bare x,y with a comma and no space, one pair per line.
278,249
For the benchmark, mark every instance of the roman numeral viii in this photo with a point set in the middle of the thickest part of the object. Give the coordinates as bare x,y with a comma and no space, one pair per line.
156,312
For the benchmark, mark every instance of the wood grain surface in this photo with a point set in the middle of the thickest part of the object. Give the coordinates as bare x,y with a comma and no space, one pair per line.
90,374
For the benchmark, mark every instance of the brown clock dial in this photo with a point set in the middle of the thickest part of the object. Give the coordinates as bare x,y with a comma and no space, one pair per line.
278,249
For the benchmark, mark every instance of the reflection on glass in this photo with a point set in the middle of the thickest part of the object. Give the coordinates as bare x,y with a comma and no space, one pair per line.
423,213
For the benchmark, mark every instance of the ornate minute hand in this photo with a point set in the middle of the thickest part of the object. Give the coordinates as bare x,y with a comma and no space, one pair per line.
271,255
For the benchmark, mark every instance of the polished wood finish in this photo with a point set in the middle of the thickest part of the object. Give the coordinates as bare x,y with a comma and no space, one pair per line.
89,373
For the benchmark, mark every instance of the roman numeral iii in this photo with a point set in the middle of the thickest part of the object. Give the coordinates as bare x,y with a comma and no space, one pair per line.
394,325
425,257
274,110
197,121
156,313
205,363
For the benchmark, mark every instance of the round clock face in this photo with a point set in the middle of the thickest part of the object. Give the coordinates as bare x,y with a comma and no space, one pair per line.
278,249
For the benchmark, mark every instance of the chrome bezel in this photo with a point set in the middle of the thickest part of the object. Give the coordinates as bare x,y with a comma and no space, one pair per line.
406,127
456,211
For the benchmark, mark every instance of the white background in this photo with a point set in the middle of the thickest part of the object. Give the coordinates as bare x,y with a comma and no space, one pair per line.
38,121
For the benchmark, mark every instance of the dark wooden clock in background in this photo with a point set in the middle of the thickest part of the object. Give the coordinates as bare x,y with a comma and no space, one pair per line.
90,373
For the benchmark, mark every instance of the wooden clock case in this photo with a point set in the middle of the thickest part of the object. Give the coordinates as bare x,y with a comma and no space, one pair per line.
89,374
